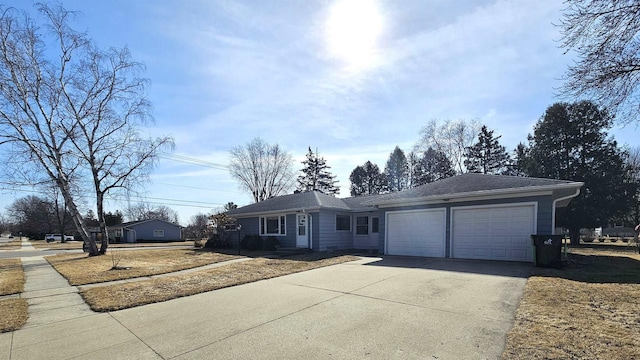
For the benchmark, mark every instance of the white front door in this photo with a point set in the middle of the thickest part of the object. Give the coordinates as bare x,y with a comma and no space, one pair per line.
302,232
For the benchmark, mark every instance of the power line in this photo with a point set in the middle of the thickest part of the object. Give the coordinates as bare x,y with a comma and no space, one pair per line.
193,161
197,188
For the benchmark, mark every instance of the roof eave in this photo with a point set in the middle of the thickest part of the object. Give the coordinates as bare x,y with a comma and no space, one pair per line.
473,195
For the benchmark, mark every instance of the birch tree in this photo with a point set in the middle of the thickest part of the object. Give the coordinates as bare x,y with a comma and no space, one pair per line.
71,111
451,138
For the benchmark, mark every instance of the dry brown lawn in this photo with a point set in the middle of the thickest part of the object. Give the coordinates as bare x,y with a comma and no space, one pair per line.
14,244
69,245
81,269
13,314
11,276
122,296
77,245
590,309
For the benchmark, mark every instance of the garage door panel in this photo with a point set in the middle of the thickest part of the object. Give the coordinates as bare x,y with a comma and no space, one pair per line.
493,233
416,233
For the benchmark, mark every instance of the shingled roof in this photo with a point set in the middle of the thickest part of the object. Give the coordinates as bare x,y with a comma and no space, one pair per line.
292,202
474,184
457,186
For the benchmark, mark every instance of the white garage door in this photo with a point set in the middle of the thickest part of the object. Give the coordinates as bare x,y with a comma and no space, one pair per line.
416,233
494,233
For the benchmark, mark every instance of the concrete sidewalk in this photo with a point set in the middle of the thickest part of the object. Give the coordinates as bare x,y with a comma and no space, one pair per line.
49,295
390,309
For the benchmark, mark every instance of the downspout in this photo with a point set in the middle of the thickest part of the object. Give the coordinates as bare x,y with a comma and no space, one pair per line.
553,209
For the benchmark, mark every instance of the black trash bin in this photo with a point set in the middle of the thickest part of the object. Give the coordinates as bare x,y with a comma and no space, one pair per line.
548,250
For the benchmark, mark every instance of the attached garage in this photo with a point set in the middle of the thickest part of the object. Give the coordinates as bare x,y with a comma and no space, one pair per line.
496,232
416,232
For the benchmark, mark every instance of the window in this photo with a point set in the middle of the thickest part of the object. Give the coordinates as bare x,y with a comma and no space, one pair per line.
273,225
158,233
375,225
118,232
343,223
362,225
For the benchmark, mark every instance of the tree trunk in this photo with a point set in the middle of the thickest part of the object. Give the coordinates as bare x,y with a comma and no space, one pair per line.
104,242
574,233
77,217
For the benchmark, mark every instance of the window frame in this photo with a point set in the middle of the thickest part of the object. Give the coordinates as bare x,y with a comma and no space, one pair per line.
158,233
282,225
362,227
344,217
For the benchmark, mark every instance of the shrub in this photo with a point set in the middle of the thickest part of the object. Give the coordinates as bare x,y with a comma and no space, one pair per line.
251,242
271,243
255,243
217,242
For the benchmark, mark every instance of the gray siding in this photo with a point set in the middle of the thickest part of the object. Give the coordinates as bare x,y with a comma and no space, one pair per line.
329,237
251,226
315,231
544,214
144,231
369,241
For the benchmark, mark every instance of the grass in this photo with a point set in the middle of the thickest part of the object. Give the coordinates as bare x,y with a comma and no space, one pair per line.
77,245
11,276
122,296
590,309
13,314
14,244
80,269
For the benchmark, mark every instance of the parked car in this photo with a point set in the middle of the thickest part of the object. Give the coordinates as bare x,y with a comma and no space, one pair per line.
58,237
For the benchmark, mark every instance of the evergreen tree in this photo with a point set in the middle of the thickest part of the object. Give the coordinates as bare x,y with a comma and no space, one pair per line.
570,142
316,176
397,171
432,166
518,161
486,156
367,179
113,218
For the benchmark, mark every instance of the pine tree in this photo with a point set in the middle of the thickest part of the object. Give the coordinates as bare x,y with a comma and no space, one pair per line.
432,166
486,156
397,171
367,179
316,175
570,142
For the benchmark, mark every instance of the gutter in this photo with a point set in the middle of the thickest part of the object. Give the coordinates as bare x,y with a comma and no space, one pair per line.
553,209
472,194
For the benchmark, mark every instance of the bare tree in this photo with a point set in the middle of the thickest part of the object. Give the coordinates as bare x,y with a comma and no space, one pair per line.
450,138
71,110
605,36
262,169
33,215
198,228
144,211
633,163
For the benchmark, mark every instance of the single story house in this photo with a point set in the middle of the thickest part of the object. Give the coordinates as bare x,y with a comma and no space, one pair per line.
470,216
153,230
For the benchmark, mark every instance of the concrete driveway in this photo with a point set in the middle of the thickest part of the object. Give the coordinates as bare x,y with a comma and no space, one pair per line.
396,308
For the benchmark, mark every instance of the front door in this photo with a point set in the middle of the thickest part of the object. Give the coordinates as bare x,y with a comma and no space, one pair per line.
302,237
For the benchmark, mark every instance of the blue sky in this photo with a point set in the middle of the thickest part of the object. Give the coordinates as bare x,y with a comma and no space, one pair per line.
352,78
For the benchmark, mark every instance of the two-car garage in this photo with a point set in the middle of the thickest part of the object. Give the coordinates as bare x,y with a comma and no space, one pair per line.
491,232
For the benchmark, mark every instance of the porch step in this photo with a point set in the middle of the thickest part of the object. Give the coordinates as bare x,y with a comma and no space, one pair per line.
289,251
